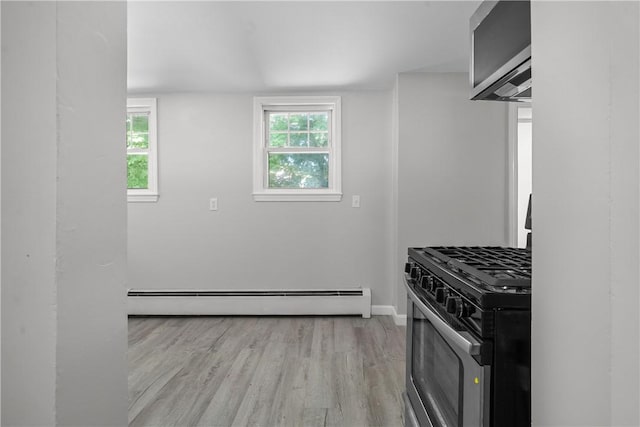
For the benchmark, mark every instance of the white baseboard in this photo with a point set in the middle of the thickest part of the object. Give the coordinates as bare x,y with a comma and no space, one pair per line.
248,303
400,319
389,310
382,310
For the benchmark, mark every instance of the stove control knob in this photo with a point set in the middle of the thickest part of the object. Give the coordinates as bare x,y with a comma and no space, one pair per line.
459,308
407,267
415,271
463,310
440,295
429,285
424,282
454,304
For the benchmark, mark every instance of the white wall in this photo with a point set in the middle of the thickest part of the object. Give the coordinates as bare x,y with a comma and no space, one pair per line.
63,192
452,167
205,150
28,214
585,327
91,214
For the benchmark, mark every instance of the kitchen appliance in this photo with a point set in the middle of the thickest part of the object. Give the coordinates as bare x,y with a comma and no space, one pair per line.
468,337
500,66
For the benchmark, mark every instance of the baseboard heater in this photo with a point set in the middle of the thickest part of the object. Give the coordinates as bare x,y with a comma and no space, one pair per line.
249,302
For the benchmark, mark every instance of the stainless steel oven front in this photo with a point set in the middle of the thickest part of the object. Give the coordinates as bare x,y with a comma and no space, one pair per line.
446,386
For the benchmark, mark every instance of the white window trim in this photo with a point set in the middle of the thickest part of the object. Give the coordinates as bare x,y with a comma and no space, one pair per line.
150,106
260,191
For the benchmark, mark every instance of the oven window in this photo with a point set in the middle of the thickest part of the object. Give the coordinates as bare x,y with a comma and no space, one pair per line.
437,374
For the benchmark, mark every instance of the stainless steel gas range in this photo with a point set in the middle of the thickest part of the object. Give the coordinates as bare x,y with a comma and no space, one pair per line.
468,337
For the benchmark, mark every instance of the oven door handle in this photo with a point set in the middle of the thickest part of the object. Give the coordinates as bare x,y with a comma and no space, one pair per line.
461,339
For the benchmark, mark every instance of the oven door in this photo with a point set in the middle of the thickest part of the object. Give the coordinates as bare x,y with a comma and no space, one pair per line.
446,387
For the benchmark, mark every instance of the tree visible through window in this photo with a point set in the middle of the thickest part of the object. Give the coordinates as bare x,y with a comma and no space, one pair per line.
298,149
142,179
137,150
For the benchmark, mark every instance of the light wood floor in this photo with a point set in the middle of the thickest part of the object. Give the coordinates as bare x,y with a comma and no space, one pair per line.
267,371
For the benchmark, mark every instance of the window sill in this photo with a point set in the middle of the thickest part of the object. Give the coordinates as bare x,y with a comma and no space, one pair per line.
297,197
135,198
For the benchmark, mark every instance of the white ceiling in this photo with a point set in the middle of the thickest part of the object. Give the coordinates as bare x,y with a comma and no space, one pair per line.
264,46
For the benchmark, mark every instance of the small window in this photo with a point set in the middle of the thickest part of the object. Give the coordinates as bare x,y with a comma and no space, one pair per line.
142,159
297,149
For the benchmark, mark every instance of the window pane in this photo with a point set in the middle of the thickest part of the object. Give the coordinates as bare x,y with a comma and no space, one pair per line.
298,121
137,171
299,139
140,123
318,121
278,121
320,139
294,170
137,140
278,140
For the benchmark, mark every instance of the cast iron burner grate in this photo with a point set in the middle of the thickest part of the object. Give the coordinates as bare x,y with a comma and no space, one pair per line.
495,266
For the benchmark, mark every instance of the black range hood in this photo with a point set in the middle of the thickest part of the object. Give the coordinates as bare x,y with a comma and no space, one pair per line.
500,66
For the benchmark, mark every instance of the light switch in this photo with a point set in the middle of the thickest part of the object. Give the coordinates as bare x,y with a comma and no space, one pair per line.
355,201
213,204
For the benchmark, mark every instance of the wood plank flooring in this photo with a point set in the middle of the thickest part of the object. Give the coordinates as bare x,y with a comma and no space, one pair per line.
265,371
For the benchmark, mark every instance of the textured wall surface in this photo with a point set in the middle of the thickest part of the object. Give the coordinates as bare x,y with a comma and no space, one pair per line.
64,327
585,214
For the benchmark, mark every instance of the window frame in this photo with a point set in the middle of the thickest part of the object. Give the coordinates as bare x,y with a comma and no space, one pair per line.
264,104
148,106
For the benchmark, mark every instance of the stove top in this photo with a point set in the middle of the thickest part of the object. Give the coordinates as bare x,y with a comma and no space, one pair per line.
498,267
487,276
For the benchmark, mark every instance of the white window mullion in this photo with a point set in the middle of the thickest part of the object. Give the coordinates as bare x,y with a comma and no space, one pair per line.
300,150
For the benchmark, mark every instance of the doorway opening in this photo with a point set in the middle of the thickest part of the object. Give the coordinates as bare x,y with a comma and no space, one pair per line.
520,159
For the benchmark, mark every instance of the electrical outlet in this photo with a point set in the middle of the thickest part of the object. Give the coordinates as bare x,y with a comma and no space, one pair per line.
213,204
355,201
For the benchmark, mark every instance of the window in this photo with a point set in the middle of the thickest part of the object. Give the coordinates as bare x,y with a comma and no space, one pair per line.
142,159
297,149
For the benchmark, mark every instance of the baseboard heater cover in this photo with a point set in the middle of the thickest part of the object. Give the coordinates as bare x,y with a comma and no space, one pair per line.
250,302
